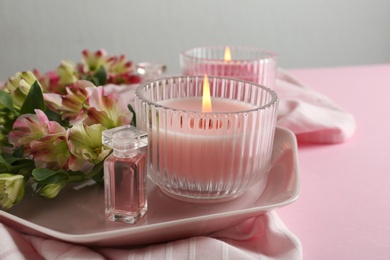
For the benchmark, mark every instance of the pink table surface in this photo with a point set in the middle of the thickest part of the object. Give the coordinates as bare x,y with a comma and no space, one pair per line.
344,208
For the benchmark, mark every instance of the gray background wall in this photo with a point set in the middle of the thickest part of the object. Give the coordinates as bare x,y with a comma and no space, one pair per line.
305,33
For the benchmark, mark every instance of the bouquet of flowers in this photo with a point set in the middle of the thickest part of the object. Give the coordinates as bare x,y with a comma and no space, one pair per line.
51,124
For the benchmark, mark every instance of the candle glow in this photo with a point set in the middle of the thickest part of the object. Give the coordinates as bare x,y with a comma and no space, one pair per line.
239,62
228,55
206,100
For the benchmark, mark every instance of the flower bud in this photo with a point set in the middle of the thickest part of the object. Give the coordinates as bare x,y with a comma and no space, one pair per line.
67,73
11,189
19,85
51,190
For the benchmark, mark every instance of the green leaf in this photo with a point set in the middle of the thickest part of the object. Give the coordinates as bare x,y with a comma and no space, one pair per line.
6,101
53,116
12,159
4,165
42,173
7,127
100,77
76,176
19,152
97,173
46,176
133,120
34,100
15,165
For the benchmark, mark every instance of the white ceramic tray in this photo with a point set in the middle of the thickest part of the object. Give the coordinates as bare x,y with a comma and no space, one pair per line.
77,215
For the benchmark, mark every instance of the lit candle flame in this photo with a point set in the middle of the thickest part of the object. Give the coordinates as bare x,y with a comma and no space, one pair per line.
206,100
228,55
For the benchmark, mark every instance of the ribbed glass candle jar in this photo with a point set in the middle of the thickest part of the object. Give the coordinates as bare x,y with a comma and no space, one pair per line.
246,63
206,156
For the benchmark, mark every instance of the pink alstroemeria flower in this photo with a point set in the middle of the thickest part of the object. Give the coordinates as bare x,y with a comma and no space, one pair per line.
85,142
119,64
30,127
110,111
43,139
92,61
51,152
56,81
74,106
65,75
48,80
121,71
53,101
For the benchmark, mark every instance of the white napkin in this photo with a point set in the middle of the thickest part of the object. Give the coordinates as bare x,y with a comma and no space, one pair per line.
312,116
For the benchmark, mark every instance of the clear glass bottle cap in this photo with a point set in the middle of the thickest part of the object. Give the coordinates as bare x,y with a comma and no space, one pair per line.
125,138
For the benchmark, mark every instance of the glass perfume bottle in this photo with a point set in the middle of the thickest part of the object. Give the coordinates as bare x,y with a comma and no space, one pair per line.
125,174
